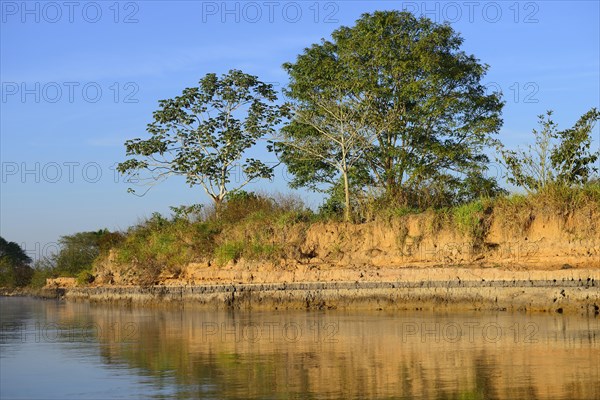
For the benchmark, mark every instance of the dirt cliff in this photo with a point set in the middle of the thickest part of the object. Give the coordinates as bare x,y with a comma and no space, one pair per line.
497,242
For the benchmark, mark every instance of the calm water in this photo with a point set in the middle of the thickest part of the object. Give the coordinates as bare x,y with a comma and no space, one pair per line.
58,350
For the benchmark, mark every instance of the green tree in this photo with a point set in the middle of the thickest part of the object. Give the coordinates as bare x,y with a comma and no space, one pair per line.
14,265
204,135
78,251
572,158
414,90
557,157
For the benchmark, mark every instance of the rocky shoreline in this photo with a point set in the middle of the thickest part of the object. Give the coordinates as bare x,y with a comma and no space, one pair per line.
41,293
572,291
566,295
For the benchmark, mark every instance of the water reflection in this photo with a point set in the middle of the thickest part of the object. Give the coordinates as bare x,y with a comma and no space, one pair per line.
195,353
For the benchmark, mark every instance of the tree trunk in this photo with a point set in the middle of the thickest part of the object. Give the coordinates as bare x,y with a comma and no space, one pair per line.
218,206
347,210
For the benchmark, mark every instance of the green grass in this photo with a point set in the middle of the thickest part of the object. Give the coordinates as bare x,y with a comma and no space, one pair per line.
228,251
468,218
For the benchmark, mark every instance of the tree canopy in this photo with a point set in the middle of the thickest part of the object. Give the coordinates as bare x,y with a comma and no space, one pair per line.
204,134
415,95
390,111
14,265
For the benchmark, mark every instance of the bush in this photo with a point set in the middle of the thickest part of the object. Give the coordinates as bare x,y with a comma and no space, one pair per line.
85,277
78,251
238,205
40,274
155,245
556,158
331,209
290,218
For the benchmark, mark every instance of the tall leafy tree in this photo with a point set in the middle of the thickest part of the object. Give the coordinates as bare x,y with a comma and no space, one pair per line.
204,135
421,96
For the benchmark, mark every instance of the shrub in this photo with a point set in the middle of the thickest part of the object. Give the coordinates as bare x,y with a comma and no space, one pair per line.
85,277
238,205
40,274
157,244
331,209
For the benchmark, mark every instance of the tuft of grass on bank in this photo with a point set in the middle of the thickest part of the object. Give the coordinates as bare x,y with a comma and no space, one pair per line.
468,218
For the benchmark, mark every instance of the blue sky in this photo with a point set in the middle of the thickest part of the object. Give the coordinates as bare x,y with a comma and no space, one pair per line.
79,78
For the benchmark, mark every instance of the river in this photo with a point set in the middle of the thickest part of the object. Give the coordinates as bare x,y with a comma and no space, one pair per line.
52,349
